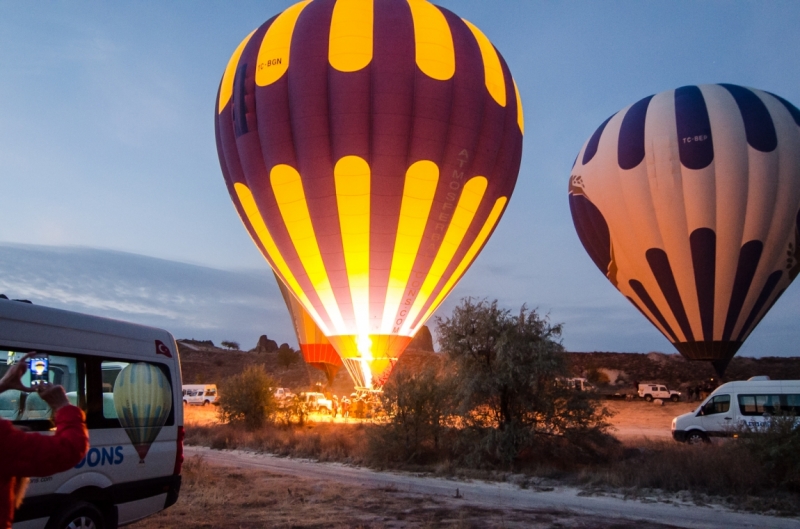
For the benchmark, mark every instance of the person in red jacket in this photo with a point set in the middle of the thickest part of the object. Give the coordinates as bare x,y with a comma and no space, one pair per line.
26,454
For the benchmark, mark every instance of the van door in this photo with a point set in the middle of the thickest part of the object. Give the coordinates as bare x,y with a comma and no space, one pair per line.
717,418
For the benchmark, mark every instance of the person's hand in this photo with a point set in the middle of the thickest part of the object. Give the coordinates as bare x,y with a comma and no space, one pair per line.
13,377
53,395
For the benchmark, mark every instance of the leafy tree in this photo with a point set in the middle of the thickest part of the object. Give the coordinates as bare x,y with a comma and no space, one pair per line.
506,370
228,344
248,398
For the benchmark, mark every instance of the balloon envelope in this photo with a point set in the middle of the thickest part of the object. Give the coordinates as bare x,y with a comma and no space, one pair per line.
688,202
316,348
370,149
143,401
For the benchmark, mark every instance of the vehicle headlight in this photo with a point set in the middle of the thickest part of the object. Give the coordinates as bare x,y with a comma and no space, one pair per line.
674,422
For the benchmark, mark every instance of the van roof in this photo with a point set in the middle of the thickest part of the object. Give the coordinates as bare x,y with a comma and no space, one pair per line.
743,386
37,327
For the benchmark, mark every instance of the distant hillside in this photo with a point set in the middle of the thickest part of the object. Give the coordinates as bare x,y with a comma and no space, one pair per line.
623,369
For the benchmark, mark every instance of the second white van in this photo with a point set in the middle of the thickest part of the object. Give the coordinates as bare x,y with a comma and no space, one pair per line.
737,406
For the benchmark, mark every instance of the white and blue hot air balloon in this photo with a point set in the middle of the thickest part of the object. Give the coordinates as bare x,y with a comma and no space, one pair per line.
688,201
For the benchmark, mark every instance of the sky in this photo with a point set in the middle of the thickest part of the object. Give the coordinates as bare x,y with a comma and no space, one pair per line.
108,164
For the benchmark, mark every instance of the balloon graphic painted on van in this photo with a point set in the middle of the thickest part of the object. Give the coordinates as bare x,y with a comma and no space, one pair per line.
143,400
688,201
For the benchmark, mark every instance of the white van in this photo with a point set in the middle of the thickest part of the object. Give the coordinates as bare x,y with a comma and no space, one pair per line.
118,481
737,405
200,394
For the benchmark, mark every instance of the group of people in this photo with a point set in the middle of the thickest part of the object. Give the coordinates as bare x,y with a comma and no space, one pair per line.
28,454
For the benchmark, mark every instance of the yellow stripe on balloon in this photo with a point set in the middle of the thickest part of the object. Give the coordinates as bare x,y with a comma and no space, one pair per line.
435,53
465,211
226,87
492,70
520,118
350,40
257,222
488,226
288,188
273,56
352,179
418,191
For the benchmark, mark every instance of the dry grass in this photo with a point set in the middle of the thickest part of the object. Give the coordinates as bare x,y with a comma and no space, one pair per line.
225,498
345,443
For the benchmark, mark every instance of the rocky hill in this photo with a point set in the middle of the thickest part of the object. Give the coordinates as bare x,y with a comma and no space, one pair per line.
624,369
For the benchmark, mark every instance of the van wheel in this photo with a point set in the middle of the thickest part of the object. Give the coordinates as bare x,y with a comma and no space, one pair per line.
205,403
674,398
80,515
695,438
648,398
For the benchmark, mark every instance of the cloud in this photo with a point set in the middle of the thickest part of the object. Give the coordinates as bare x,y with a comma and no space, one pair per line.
187,300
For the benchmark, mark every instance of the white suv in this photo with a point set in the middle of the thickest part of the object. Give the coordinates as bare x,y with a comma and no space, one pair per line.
649,392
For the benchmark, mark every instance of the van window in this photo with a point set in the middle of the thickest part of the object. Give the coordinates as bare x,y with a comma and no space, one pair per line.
769,404
111,371
211,392
719,404
28,409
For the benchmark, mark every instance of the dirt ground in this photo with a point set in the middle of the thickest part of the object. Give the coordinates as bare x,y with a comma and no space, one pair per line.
235,489
228,497
638,420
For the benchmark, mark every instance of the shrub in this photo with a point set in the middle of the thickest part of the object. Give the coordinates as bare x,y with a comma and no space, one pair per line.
416,406
228,344
248,398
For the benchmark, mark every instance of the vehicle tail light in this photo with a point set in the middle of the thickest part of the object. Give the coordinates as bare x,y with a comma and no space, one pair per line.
179,451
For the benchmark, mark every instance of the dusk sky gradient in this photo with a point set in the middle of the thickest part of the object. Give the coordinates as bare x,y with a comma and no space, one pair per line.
107,143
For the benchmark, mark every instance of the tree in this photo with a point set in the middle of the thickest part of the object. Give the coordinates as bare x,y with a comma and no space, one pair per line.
506,370
287,356
228,344
417,406
248,398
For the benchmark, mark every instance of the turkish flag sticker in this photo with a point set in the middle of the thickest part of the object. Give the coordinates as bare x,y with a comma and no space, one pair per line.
162,349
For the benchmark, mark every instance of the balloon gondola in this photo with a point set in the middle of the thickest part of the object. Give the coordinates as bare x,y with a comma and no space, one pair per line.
688,202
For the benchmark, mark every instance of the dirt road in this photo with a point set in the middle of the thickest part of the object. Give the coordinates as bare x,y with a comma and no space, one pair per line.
504,496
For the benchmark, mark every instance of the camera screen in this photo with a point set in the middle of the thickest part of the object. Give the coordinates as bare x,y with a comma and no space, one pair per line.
38,368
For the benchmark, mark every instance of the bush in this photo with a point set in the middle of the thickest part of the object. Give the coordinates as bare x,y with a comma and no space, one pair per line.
248,398
417,406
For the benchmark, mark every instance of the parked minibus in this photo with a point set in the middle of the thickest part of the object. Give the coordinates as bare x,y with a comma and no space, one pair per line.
738,406
107,367
200,394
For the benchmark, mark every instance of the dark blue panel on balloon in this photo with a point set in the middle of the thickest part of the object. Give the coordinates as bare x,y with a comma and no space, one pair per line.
758,125
703,242
659,265
790,107
630,150
651,306
594,141
592,230
769,286
695,147
749,256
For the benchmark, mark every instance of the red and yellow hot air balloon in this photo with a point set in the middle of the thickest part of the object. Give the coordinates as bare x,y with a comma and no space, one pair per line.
370,149
317,350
